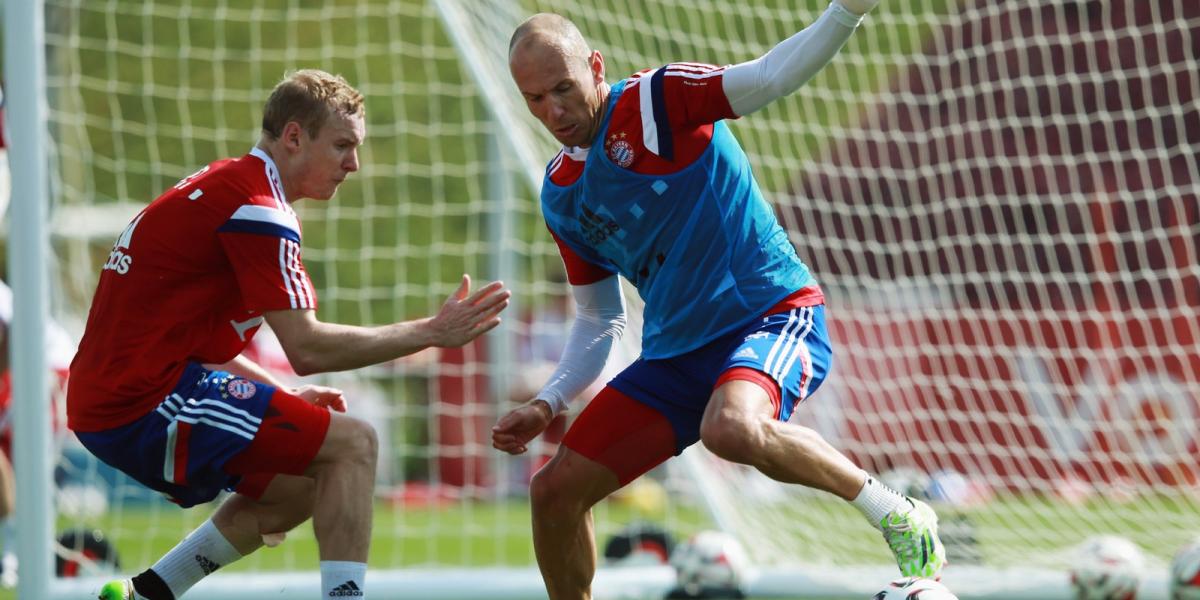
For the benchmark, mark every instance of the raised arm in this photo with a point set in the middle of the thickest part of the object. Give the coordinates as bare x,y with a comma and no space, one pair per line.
313,346
754,84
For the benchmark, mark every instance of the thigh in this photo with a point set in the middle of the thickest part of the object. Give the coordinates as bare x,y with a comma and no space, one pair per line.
181,447
620,434
288,439
791,349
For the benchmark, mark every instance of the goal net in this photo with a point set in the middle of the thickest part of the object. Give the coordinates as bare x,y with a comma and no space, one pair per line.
1001,200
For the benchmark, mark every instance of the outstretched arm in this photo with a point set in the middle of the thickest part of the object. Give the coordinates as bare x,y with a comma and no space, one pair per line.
752,85
316,347
599,321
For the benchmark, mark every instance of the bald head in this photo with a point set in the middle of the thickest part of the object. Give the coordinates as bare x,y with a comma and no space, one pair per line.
560,77
548,32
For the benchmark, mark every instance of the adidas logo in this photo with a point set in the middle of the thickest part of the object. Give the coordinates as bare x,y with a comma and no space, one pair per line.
746,353
345,590
206,565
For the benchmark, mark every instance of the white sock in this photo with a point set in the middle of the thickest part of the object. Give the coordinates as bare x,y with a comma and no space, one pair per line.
203,551
876,500
343,579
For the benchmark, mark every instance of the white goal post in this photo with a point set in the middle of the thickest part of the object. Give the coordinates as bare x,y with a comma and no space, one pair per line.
1000,199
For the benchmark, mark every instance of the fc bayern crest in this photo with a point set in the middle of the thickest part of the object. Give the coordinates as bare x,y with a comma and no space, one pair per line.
241,388
621,153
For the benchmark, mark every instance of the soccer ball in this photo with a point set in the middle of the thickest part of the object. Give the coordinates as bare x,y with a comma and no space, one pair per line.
914,588
1185,572
710,563
1107,567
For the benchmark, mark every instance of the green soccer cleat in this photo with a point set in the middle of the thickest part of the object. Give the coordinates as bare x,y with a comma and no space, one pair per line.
911,533
121,589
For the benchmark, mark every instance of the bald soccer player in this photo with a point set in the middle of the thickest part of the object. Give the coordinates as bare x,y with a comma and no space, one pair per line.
651,184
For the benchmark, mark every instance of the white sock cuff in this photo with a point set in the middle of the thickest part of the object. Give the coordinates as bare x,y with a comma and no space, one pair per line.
343,578
876,500
203,551
215,544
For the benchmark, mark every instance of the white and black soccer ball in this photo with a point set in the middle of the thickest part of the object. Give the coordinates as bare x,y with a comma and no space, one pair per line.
914,588
1107,567
710,563
1185,572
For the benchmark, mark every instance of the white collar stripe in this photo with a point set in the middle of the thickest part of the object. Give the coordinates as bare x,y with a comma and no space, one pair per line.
649,126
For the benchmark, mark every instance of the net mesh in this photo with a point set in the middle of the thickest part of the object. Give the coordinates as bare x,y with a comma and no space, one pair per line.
999,199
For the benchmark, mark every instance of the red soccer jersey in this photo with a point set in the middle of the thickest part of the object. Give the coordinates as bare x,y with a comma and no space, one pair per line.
187,281
691,96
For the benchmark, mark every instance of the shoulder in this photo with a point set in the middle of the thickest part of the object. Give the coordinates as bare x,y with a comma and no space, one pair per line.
226,185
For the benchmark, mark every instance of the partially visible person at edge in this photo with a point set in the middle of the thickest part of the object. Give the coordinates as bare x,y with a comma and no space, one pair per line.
161,391
651,185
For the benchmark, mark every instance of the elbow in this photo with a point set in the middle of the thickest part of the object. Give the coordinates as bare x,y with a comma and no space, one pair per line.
617,325
305,362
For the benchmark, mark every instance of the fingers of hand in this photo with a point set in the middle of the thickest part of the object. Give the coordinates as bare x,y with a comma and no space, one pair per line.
464,288
335,402
484,327
508,444
495,303
488,290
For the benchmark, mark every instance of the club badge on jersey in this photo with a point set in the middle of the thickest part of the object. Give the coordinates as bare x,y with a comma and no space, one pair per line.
620,151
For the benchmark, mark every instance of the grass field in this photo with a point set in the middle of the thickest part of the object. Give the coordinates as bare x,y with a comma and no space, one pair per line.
144,93
480,533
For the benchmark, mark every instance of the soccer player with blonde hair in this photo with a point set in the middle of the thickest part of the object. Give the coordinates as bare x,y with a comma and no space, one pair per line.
161,391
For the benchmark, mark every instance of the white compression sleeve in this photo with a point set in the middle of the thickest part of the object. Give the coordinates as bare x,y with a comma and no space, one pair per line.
599,321
754,84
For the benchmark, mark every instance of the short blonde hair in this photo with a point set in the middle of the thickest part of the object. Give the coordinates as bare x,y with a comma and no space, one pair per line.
309,97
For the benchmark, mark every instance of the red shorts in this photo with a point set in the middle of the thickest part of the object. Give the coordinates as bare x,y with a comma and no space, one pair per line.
288,440
214,432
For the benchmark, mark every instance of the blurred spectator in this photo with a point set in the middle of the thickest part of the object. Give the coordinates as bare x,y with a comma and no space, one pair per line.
59,350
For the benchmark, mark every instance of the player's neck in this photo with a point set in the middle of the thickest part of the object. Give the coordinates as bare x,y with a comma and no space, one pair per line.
598,119
264,146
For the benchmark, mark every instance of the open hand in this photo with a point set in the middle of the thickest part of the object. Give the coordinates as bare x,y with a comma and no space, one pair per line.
320,395
466,316
514,430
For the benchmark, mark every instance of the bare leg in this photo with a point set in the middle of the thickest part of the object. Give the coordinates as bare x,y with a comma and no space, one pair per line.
287,502
344,470
739,426
8,492
562,494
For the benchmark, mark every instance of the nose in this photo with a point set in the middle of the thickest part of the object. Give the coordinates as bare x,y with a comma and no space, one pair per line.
351,162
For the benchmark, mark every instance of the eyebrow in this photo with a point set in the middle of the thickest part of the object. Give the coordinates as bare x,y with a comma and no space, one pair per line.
556,85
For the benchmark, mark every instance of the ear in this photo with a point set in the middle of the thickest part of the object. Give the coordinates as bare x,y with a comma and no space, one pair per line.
597,61
291,137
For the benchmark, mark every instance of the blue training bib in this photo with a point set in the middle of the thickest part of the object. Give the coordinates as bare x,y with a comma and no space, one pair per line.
701,245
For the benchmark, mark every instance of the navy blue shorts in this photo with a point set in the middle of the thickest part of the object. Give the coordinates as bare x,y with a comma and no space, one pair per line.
181,447
791,348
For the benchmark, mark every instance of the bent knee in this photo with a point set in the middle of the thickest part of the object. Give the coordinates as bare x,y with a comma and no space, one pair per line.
351,439
553,492
546,488
731,439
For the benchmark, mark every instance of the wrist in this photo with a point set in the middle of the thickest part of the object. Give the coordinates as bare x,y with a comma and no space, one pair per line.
426,333
852,11
546,407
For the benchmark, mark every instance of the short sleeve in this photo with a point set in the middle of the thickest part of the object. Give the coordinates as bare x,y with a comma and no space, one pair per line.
262,244
579,270
687,94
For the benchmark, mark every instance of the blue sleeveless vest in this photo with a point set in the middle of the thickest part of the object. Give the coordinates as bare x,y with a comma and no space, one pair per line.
701,245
